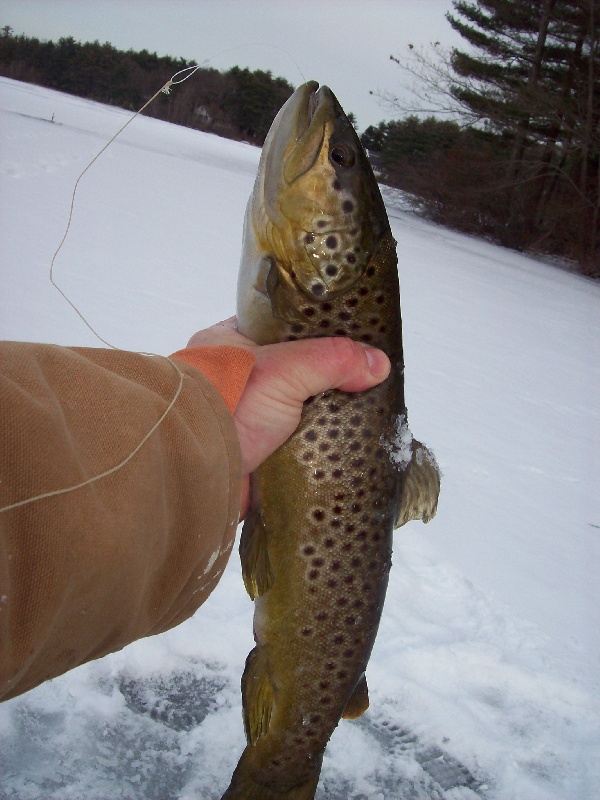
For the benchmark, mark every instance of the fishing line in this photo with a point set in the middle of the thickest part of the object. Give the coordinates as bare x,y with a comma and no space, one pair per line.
176,79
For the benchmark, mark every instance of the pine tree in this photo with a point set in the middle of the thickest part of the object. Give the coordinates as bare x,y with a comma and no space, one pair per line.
533,72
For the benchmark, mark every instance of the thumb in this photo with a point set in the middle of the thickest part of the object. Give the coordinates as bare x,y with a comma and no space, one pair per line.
311,366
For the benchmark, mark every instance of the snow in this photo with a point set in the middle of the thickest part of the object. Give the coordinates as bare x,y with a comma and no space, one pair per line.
486,664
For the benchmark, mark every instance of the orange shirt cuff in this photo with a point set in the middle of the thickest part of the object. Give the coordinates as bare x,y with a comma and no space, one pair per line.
227,368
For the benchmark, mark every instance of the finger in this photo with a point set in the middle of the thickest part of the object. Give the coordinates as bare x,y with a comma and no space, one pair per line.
223,333
311,366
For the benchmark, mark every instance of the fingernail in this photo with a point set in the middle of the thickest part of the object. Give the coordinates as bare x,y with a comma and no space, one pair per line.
379,363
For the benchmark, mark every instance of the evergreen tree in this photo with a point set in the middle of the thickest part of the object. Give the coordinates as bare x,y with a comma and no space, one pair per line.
533,72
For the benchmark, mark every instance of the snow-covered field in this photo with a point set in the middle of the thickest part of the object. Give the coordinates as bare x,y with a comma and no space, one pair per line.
485,676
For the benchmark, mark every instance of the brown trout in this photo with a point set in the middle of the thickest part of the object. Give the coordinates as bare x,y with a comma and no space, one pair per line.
319,259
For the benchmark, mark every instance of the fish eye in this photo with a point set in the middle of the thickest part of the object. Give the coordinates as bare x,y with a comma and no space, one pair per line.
341,155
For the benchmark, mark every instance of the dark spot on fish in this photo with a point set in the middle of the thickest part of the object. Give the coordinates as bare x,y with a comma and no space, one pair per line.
348,206
334,408
331,583
352,302
309,238
337,185
310,435
317,288
356,507
340,332
308,312
353,232
309,550
370,271
313,574
319,474
324,447
335,523
351,259
338,640
331,665
380,452
379,299
354,446
334,457
333,433
366,587
358,604
321,616
319,514
276,763
342,601
309,732
344,316
335,565
366,337
363,291
321,223
361,535
348,653
331,242
337,509
349,528
356,562
308,456
324,323
382,329
326,306
376,537
350,620
331,270
325,700
317,562
355,326
373,565
342,674
306,632
337,473
329,543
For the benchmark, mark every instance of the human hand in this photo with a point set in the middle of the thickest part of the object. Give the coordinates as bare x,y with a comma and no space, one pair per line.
284,376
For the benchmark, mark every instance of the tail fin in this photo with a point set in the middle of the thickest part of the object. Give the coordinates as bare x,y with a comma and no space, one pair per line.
244,787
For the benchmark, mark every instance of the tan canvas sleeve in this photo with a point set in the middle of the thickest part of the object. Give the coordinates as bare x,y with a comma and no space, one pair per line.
85,572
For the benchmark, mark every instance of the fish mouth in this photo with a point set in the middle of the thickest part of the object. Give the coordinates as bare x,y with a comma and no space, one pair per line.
315,107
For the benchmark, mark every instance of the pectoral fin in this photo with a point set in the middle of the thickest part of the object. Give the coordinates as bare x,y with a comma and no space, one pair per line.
257,695
359,700
254,554
421,486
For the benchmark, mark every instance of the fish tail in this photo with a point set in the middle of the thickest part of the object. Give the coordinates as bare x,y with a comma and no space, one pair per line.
244,787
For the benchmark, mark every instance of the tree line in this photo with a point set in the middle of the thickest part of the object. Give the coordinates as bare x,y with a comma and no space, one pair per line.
522,162
518,162
238,104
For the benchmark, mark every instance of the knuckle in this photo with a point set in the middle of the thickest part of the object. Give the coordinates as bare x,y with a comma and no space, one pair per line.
347,353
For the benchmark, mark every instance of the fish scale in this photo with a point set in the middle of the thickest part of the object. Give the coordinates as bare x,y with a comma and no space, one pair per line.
319,260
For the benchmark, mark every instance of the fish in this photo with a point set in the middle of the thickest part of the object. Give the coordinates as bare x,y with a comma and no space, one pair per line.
319,259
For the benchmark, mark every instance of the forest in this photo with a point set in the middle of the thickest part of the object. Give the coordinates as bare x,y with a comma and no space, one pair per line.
518,159
505,146
237,104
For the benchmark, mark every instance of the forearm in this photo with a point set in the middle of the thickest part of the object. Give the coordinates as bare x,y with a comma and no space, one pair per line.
86,571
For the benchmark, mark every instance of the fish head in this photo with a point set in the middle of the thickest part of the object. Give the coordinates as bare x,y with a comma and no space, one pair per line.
315,216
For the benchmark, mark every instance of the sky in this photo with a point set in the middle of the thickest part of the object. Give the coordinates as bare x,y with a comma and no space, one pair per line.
345,44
